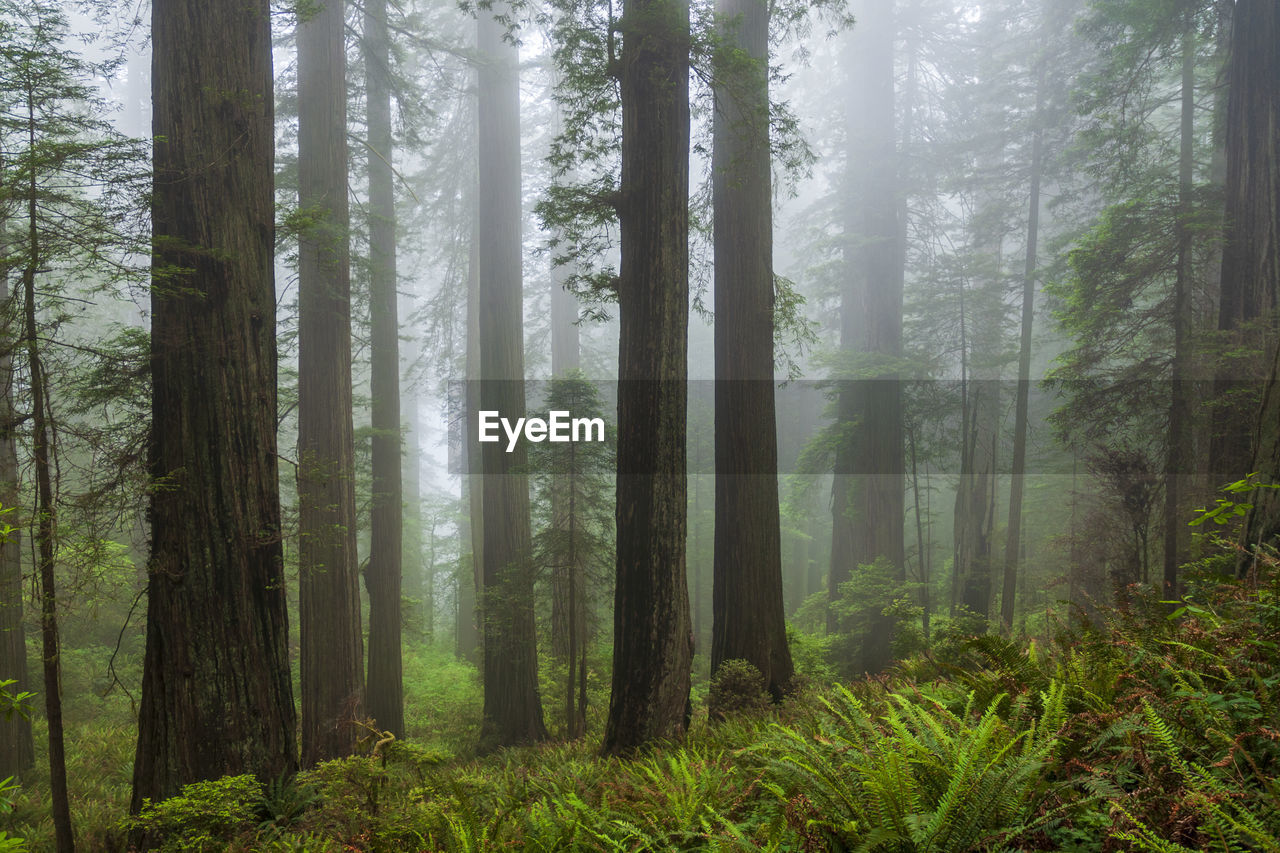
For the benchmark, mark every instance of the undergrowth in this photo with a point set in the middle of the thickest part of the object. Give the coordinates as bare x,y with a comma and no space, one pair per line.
1153,731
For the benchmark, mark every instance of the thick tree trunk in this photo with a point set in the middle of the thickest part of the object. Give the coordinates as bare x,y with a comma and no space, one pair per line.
1178,464
512,706
332,653
1013,537
748,621
653,643
868,508
17,747
216,693
384,691
1250,282
1251,263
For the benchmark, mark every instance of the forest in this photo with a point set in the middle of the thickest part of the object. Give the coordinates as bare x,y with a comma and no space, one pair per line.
640,425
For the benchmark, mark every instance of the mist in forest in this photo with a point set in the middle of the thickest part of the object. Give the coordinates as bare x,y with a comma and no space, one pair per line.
639,425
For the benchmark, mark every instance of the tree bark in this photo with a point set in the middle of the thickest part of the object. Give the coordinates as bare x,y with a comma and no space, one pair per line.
332,652
1179,461
1250,281
17,747
384,691
1251,263
216,693
45,518
868,510
564,574
653,642
748,622
1013,536
512,705
470,580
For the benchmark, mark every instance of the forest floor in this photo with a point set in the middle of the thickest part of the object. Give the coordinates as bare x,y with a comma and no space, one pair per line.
1150,730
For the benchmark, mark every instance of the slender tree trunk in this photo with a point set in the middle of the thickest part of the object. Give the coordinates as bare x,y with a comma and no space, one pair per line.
17,747
1013,537
748,621
45,519
512,706
216,693
1250,280
653,643
564,358
470,580
384,692
1180,415
923,554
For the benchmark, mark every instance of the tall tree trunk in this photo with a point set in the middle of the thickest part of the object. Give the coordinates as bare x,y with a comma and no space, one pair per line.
1250,281
512,706
748,621
1013,536
471,568
17,747
1179,461
653,643
332,653
869,507
568,575
921,548
384,692
564,358
976,493
44,518
1251,263
216,694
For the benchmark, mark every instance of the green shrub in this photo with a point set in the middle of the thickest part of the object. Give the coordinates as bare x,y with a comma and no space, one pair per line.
736,688
206,816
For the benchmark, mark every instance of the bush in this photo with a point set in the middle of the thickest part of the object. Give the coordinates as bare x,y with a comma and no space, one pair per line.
736,688
204,817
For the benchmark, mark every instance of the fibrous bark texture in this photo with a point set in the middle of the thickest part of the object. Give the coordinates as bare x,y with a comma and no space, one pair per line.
1250,282
512,705
216,693
384,695
747,609
653,642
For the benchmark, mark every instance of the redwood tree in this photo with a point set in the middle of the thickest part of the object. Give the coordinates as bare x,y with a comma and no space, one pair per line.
385,688
332,653
1252,260
653,642
747,608
216,693
512,705
868,495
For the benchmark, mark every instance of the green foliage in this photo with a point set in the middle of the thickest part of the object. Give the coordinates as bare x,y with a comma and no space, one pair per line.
204,816
737,687
919,777
14,704
8,843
